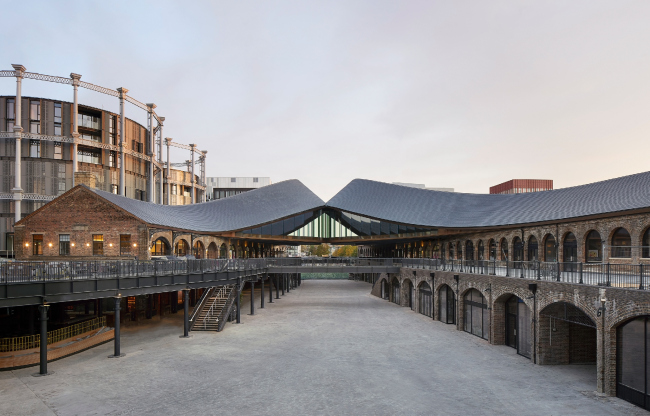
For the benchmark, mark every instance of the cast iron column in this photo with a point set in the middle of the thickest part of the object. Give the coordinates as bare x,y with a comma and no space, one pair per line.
282,278
252,298
262,296
288,282
277,287
116,349
43,318
151,182
238,300
18,134
186,316
122,189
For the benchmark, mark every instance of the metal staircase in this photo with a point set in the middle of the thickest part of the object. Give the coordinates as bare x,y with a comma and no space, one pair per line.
213,313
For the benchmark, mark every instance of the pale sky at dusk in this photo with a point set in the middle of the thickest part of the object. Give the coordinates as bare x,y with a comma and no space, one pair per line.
462,94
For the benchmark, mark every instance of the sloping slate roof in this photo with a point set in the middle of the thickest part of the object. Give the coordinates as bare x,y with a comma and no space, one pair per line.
446,209
245,210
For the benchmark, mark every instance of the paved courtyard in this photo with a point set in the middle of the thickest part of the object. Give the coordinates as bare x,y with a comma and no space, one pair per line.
328,347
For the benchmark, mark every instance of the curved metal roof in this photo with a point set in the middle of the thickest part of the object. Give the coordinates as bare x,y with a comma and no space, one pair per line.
246,210
423,207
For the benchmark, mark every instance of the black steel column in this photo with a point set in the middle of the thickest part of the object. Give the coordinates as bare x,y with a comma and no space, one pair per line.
239,300
287,281
282,283
186,314
252,298
277,288
299,279
116,339
43,359
262,296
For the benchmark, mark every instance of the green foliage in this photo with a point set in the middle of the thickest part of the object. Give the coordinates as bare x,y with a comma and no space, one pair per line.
346,251
318,251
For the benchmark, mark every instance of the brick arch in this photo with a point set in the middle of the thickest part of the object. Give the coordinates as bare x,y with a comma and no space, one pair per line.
639,237
188,240
498,315
404,291
587,309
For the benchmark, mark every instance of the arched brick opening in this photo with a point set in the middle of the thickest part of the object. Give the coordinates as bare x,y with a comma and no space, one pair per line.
198,249
512,323
160,247
567,335
394,290
425,299
474,314
446,304
384,289
182,248
550,248
213,252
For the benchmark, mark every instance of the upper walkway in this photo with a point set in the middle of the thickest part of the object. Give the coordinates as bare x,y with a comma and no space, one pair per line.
30,283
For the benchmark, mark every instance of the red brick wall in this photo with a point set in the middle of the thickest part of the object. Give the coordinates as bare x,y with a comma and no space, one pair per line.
80,213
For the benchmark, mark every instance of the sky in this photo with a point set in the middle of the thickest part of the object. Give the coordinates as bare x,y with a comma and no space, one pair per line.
461,94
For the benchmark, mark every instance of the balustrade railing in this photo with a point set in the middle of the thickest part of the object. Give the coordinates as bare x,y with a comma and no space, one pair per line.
629,276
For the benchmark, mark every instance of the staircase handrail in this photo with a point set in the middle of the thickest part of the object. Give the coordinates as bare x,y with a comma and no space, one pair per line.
221,319
199,306
217,296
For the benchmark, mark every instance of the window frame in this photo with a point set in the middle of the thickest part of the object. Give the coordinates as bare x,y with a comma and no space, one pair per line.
98,244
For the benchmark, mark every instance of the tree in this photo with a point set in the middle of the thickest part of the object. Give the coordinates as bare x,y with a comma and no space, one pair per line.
346,251
319,251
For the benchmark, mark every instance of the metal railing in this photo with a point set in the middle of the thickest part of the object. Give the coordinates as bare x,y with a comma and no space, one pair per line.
598,274
211,311
34,341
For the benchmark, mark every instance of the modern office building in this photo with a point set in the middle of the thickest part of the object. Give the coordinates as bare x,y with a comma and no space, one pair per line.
520,186
58,140
223,187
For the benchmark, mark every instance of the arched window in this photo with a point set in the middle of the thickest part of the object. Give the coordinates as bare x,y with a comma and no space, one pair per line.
621,244
594,245
518,249
213,251
181,248
570,248
459,247
198,250
451,251
469,250
481,250
223,251
645,253
447,305
532,249
476,314
160,247
550,249
503,249
633,363
493,249
518,330
425,300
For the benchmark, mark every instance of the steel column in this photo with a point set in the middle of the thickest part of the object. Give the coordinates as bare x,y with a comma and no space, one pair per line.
43,350
277,288
169,188
262,296
252,298
160,172
186,313
282,279
193,146
239,300
116,341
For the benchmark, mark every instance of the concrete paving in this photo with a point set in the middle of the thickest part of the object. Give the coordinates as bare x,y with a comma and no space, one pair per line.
327,348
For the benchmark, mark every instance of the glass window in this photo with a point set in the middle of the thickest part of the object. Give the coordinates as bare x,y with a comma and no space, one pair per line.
125,244
64,244
550,251
58,150
255,180
89,156
35,127
10,125
57,113
233,179
112,136
594,247
98,245
34,148
35,110
114,189
11,110
57,129
37,244
91,137
621,244
89,122
112,159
